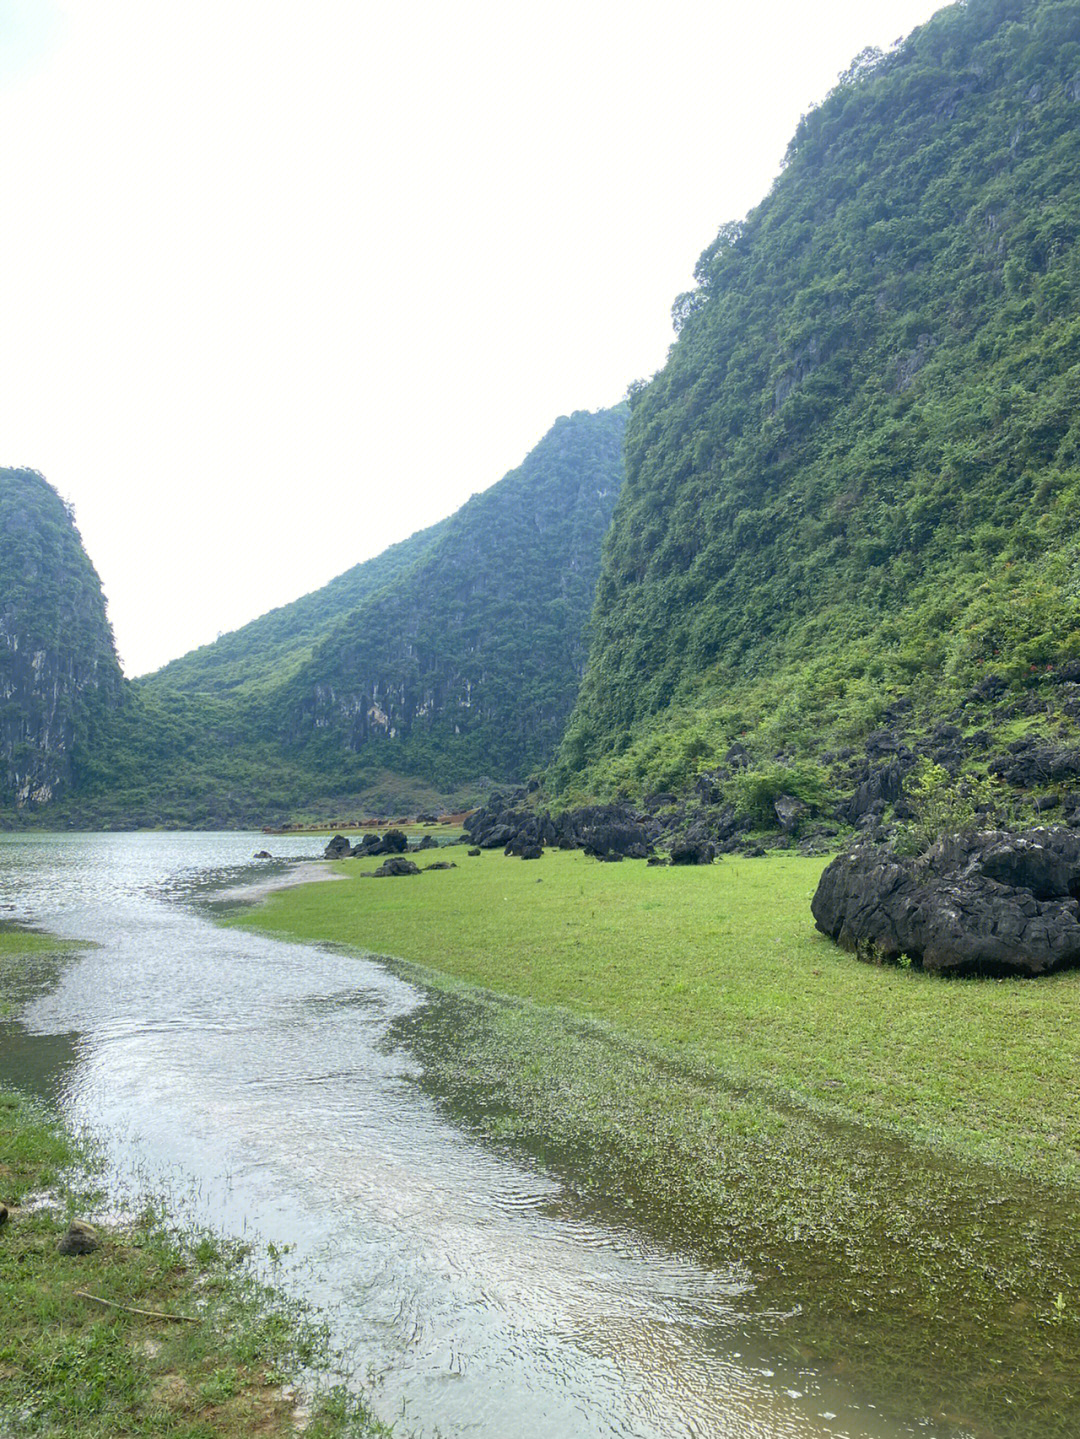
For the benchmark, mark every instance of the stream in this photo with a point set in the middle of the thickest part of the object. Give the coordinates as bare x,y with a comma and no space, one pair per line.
259,1085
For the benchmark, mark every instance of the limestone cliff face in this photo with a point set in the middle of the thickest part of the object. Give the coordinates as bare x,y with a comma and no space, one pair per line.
59,675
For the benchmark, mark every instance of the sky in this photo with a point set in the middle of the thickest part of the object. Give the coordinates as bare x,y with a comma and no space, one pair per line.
283,283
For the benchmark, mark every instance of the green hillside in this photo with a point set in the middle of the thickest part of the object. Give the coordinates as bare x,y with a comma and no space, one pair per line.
60,680
277,643
469,664
852,491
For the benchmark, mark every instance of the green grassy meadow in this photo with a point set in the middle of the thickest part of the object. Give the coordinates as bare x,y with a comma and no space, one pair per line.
721,966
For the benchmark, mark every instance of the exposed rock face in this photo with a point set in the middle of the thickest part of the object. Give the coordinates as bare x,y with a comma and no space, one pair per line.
1030,765
60,679
990,903
338,848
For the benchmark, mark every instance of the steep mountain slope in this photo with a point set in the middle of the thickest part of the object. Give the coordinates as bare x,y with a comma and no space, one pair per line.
852,492
60,680
278,642
468,665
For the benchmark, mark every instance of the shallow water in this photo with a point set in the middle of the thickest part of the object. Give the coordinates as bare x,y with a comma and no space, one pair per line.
263,1086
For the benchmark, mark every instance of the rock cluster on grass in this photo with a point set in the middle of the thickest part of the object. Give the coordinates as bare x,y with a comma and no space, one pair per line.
609,831
987,903
394,841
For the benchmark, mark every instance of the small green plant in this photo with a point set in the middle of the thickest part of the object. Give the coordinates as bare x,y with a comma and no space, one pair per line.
942,805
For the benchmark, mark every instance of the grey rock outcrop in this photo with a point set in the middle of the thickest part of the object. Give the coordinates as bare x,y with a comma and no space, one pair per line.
989,903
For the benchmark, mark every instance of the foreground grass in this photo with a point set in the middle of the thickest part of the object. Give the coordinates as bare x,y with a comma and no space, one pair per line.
721,966
73,1367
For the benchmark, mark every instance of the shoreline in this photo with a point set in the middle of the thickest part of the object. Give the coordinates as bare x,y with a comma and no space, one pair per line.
302,872
156,1330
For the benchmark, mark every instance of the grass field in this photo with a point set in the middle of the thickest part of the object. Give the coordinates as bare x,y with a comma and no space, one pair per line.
722,966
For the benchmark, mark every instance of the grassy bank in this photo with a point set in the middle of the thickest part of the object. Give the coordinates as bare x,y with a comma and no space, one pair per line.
722,967
682,1049
71,1365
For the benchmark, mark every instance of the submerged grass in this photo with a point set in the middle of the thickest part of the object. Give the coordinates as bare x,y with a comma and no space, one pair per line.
722,967
73,1367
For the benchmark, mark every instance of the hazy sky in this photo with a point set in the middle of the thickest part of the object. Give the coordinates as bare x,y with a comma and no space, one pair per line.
283,283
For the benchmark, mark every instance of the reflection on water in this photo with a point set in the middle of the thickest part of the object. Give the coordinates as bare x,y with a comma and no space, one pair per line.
254,1079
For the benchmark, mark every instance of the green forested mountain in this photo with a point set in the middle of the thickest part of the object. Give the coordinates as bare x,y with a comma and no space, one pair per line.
853,490
469,663
60,680
273,646
446,664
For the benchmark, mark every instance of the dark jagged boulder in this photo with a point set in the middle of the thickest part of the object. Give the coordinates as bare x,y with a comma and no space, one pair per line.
395,865
440,864
692,851
987,903
474,853
607,829
338,848
496,838
393,842
1029,765
879,787
428,842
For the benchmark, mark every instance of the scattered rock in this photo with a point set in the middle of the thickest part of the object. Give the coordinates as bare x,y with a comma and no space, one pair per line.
789,811
880,786
79,1238
692,852
428,842
474,853
395,865
1028,764
263,854
440,864
338,848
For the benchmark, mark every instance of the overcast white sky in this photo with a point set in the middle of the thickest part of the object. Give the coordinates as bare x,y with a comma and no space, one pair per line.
284,282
